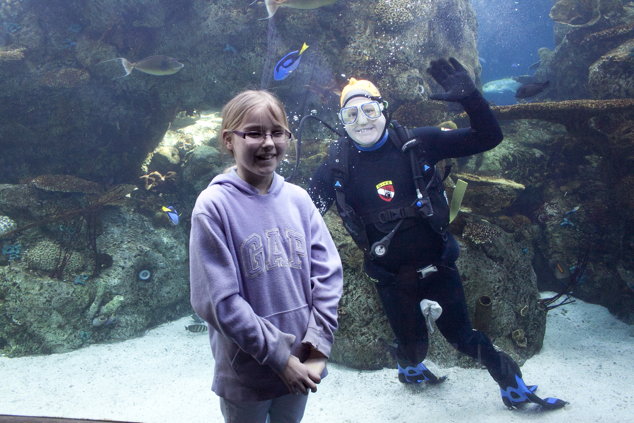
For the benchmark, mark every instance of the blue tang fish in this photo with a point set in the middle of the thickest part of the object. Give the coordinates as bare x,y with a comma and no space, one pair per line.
288,63
172,214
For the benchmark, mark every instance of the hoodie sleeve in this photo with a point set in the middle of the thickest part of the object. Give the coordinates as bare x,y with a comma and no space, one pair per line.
326,276
215,296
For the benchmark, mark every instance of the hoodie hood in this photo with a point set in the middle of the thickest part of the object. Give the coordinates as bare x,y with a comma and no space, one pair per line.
232,178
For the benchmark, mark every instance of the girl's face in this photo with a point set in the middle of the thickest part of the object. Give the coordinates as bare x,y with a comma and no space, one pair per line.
260,150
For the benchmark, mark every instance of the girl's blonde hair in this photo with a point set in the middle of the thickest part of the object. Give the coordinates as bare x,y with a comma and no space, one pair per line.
235,111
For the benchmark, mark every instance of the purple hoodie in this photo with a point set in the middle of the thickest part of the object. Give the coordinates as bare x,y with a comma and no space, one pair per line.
265,274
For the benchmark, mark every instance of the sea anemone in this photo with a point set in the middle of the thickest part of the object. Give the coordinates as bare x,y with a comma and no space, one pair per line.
144,275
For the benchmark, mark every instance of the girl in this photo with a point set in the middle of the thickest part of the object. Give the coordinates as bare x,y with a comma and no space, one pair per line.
264,272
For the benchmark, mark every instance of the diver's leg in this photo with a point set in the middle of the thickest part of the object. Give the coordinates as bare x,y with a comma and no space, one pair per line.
445,287
455,325
401,303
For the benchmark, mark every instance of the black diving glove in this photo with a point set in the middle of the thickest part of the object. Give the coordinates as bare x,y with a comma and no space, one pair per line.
453,77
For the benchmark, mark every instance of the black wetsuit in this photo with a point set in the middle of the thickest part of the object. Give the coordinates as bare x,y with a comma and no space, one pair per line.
385,174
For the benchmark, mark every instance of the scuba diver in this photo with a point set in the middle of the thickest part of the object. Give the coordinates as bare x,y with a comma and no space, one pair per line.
392,202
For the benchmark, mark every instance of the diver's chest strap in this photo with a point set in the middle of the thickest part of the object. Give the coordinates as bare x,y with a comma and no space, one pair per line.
390,215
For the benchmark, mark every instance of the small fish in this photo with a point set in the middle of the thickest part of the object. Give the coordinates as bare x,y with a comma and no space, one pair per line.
196,328
573,210
566,222
152,65
102,321
229,48
529,90
273,5
172,214
288,63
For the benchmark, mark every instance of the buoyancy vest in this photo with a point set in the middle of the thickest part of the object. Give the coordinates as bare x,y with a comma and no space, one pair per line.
431,202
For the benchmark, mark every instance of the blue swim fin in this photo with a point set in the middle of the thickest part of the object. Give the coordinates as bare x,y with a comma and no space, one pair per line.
418,374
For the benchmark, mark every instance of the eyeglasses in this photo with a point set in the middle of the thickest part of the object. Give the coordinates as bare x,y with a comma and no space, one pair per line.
349,115
281,135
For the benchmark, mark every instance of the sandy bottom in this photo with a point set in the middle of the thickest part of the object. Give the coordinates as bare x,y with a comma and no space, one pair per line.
165,376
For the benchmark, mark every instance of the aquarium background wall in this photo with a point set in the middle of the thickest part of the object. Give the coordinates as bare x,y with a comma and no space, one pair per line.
96,164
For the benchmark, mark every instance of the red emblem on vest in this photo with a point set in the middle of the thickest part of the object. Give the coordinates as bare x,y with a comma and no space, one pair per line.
385,190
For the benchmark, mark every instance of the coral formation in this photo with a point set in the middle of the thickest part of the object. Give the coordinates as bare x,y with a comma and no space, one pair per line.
11,55
46,255
519,338
112,306
43,256
154,179
6,225
614,34
395,14
480,232
12,251
571,113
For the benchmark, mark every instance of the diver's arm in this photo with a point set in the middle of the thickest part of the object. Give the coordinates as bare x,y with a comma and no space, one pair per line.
320,188
484,133
485,129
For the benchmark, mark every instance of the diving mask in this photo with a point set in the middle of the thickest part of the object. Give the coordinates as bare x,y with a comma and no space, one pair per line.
372,110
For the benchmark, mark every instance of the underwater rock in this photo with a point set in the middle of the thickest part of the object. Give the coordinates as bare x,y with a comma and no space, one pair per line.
364,336
202,164
57,316
611,75
577,13
499,270
66,183
584,13
64,78
165,158
489,195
